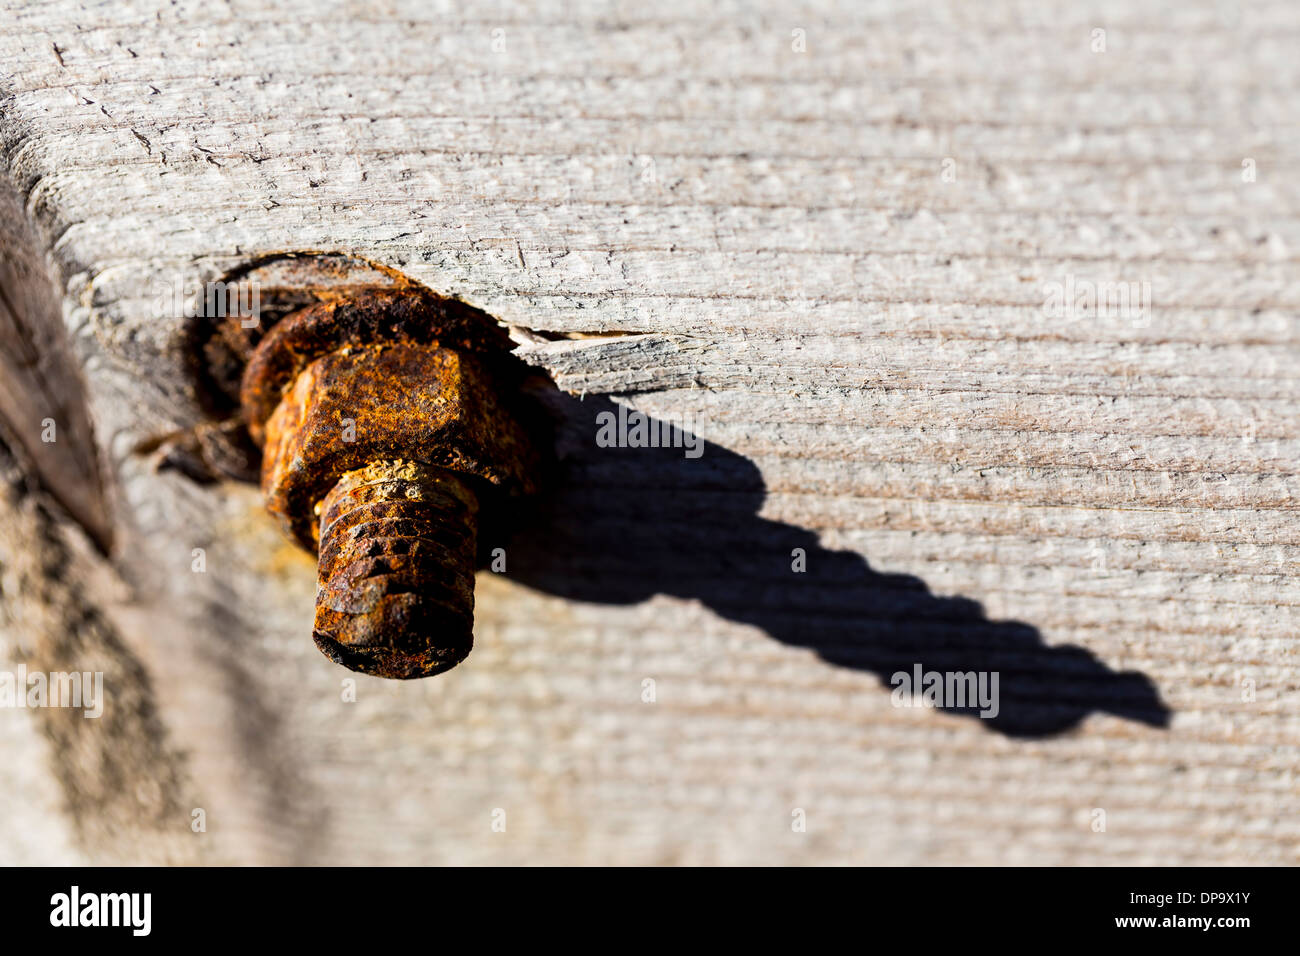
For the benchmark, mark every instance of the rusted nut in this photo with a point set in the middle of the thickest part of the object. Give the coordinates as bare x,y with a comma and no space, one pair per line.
365,317
387,430
385,402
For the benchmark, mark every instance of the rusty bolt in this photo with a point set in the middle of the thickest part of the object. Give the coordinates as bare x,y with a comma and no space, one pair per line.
389,430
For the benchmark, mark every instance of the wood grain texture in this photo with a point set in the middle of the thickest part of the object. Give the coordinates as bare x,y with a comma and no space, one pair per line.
835,265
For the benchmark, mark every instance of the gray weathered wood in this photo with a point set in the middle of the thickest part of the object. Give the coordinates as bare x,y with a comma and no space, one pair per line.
834,264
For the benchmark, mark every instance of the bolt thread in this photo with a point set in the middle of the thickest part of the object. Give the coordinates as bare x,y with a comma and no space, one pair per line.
398,549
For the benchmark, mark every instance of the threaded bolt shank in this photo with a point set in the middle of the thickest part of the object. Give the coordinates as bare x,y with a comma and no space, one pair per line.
398,544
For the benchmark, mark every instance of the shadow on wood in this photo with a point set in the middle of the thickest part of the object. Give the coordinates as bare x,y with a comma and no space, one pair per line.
627,523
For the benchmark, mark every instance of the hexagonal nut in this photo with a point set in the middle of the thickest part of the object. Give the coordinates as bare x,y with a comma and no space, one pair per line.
388,402
365,317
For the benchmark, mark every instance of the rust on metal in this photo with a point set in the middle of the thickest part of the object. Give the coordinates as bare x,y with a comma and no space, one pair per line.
383,402
396,569
388,421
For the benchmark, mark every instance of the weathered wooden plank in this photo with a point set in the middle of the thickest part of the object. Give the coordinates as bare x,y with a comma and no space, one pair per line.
833,254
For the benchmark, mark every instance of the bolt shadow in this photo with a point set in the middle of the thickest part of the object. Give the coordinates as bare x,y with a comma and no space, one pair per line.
624,524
